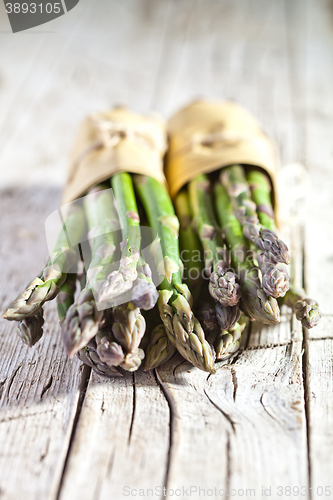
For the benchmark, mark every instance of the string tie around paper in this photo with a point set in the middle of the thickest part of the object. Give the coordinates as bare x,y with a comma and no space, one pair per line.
111,133
208,135
115,141
223,139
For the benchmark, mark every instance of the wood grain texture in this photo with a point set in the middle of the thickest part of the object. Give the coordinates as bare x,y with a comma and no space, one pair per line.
39,387
265,418
124,428
320,395
39,398
231,422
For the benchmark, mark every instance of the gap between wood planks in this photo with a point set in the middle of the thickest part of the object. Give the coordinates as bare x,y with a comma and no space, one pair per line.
172,413
86,372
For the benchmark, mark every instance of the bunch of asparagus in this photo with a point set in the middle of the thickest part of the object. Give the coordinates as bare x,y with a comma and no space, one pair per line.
102,306
225,234
229,217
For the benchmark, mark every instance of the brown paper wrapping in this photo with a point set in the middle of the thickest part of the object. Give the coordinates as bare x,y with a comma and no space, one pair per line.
112,142
207,135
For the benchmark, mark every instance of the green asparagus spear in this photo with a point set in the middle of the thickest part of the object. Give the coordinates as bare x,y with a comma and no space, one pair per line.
275,278
254,301
144,293
128,326
159,348
121,280
83,318
47,285
221,326
89,356
183,329
66,295
223,285
261,191
30,330
227,317
112,353
190,246
109,351
234,181
306,310
227,342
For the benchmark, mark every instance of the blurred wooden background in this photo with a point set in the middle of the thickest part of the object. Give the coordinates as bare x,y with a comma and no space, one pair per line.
265,419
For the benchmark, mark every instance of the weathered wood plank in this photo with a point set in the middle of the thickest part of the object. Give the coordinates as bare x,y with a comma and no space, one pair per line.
39,397
266,406
320,404
315,99
275,59
230,422
200,433
39,387
324,330
121,441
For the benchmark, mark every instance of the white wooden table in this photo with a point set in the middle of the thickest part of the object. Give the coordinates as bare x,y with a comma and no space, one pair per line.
265,419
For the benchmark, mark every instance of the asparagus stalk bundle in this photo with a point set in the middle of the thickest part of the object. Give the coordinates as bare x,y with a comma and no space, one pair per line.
83,317
245,219
254,301
88,354
228,219
108,338
234,181
174,303
223,285
275,277
215,317
121,280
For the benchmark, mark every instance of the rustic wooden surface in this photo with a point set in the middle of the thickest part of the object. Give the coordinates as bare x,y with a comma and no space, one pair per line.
265,420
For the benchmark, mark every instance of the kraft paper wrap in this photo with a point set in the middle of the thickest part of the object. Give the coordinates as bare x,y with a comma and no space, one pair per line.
207,135
112,142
